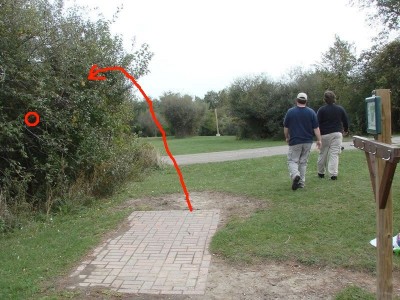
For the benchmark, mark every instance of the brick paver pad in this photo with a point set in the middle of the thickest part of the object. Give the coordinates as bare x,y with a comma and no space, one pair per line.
163,252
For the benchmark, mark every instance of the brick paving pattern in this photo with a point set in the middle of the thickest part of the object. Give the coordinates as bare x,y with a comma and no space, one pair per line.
163,252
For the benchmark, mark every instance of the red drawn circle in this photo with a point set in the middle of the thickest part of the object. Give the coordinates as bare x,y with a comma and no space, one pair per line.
37,118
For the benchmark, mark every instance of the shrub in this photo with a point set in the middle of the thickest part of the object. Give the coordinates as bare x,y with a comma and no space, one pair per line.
208,125
46,53
128,161
182,113
259,106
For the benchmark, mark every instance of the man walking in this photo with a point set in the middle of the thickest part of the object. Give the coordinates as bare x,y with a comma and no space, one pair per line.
300,126
333,121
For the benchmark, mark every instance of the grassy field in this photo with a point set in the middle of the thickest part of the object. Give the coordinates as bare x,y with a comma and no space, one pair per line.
202,144
34,255
329,223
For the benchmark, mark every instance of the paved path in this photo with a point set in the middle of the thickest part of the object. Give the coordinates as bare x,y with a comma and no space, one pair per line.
201,158
163,252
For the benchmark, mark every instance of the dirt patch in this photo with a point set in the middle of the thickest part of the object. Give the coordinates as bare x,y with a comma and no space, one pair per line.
230,205
265,280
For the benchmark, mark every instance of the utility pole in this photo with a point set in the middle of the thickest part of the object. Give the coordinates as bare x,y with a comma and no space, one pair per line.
216,118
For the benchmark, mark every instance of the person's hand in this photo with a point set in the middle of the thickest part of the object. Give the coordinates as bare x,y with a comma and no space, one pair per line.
345,133
287,140
319,144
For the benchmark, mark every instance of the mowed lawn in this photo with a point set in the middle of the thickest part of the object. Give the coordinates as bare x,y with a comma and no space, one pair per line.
202,144
329,223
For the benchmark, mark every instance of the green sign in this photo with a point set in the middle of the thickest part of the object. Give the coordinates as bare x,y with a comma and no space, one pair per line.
373,109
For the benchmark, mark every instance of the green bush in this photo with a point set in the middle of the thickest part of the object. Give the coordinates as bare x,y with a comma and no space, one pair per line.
208,125
183,115
259,106
127,162
46,54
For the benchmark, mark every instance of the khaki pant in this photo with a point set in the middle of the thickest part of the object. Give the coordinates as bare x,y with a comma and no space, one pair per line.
329,153
297,159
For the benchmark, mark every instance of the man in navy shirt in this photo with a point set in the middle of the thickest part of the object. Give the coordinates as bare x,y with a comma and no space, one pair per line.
300,126
333,123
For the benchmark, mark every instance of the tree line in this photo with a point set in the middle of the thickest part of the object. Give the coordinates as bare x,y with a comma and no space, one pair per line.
254,107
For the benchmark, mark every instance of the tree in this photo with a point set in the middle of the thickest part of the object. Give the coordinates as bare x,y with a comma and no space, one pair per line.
218,101
212,99
259,106
381,69
338,70
182,113
340,59
337,67
309,81
46,53
388,11
147,124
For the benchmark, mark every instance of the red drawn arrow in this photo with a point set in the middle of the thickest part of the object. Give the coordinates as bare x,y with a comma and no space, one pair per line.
93,75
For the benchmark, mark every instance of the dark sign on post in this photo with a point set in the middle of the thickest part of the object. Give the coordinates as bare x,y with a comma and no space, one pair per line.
373,109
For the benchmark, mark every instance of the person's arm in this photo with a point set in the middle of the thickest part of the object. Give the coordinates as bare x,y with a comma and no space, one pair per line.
317,132
319,138
345,121
286,133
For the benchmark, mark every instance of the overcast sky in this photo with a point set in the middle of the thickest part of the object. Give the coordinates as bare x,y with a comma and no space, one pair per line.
205,45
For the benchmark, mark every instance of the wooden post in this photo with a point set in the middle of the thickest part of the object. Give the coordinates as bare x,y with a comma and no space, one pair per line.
384,216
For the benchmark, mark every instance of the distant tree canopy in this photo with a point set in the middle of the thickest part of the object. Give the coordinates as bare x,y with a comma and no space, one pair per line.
381,69
388,11
45,55
183,115
254,106
258,104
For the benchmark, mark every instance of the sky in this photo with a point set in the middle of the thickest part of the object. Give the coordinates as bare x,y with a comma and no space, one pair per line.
202,46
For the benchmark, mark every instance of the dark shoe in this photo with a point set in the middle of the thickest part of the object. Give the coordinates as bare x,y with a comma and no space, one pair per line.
295,184
334,177
321,175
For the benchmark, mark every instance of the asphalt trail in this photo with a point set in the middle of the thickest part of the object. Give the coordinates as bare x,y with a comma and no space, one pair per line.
202,158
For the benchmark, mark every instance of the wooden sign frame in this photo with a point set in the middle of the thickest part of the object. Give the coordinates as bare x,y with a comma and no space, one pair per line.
382,158
373,111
